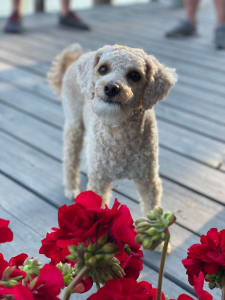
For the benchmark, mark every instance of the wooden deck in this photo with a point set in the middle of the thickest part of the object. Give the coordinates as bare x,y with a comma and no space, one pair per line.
191,125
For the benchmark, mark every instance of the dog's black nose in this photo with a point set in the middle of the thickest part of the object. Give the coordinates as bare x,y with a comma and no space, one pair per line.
112,89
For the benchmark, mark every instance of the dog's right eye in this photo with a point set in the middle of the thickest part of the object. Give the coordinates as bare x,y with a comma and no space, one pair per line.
103,70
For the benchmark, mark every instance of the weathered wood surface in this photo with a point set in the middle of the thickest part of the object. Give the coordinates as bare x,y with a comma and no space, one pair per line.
191,125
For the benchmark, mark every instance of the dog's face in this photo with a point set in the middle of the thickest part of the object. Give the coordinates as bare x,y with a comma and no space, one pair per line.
121,80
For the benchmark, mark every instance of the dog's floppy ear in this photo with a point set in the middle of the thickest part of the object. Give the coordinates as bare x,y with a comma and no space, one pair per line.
159,80
85,75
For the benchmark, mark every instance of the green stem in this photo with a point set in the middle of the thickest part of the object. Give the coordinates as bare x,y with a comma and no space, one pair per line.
74,282
162,264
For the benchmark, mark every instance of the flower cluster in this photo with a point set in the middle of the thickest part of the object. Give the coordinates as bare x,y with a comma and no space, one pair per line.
126,289
101,239
95,244
23,278
207,257
153,229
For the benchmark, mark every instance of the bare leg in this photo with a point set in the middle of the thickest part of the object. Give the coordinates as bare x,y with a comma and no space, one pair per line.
191,8
73,138
150,193
16,6
220,11
65,7
101,185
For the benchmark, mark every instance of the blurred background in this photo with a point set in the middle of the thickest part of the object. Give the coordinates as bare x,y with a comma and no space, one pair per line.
53,5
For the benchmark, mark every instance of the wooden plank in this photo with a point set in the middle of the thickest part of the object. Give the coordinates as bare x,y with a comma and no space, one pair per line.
25,79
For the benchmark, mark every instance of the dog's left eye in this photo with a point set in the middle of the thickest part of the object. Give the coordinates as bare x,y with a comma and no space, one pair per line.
134,76
103,70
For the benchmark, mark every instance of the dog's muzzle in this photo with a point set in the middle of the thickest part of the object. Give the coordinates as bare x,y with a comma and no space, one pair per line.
111,90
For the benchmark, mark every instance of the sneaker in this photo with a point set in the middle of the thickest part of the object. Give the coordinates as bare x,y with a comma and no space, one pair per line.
13,24
73,21
220,37
184,29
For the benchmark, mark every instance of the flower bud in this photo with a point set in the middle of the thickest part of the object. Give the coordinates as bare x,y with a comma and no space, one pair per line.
143,224
140,238
170,217
109,248
99,257
72,248
152,231
140,220
92,247
32,266
141,230
127,249
108,258
151,216
92,261
101,241
87,256
158,211
147,243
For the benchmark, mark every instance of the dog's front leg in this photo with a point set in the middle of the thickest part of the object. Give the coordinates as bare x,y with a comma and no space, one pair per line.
98,183
150,193
72,145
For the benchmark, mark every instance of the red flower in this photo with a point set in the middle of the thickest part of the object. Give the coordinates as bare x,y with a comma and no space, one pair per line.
86,220
184,297
132,263
122,229
19,292
49,283
13,262
198,287
208,256
47,287
6,234
126,289
84,286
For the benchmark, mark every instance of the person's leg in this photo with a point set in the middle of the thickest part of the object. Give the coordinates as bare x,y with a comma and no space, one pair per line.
70,19
220,20
220,11
191,8
188,26
14,23
65,7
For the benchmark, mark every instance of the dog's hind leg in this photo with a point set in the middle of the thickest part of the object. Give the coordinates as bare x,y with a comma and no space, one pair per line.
73,139
98,183
150,193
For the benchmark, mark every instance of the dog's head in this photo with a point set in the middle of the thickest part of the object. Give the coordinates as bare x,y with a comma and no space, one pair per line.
125,79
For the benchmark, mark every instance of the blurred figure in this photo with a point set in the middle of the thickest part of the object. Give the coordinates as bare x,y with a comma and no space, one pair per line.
66,18
188,27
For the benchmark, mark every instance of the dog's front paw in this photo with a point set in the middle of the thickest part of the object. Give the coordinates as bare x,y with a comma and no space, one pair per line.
71,194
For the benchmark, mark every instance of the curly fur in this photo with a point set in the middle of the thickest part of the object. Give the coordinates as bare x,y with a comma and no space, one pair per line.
121,135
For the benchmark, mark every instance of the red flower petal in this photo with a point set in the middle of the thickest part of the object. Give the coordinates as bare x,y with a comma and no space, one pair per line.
90,200
6,234
19,292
